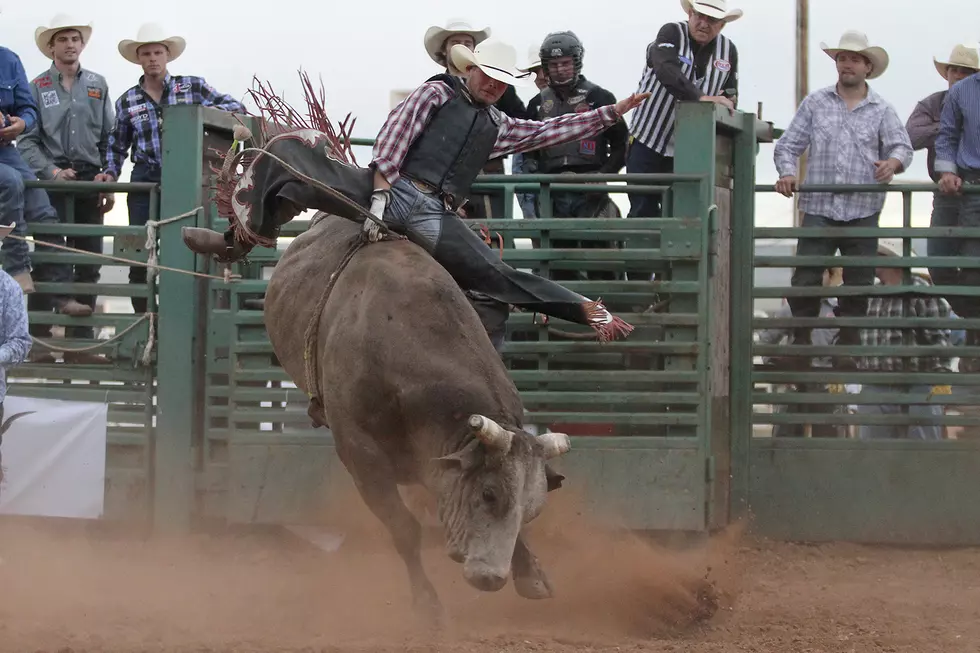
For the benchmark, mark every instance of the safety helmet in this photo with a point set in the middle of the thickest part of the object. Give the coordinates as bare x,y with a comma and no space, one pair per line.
562,44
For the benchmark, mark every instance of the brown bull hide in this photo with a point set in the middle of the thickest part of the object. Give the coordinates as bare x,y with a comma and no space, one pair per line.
404,362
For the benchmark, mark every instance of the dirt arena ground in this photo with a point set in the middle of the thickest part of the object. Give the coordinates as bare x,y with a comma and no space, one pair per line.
66,590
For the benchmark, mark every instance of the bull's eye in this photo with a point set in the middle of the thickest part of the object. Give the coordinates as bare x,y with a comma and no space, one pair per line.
489,495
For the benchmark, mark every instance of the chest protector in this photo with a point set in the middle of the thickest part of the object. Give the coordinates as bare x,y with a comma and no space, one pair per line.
589,152
454,146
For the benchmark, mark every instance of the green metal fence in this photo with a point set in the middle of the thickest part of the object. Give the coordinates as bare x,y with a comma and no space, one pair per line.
823,488
125,383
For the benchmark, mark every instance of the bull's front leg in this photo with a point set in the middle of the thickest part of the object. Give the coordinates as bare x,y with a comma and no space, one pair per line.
530,580
373,476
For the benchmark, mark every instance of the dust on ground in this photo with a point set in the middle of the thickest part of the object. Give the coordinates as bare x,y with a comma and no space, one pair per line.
65,588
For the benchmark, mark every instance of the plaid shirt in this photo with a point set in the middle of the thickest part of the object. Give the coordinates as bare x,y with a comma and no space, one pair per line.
138,118
407,121
843,147
918,306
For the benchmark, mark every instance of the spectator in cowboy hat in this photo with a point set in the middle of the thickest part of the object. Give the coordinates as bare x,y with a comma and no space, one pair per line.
139,115
75,116
20,205
854,137
923,128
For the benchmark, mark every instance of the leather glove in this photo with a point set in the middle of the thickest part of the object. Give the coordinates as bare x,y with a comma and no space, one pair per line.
379,202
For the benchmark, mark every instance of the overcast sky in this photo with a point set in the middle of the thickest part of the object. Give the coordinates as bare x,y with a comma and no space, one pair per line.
364,50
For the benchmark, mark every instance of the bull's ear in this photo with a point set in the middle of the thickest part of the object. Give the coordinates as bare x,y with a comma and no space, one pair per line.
462,460
554,478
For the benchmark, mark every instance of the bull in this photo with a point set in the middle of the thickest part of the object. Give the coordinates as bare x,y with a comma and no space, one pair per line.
399,363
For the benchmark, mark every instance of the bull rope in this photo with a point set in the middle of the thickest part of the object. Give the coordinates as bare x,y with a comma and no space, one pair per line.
310,349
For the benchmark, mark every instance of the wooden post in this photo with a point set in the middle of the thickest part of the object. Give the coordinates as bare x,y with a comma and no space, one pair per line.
802,82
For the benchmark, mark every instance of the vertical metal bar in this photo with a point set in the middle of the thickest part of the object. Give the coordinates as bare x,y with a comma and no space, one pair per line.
174,491
802,84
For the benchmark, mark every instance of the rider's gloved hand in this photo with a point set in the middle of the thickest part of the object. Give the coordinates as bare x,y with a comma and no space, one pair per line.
379,202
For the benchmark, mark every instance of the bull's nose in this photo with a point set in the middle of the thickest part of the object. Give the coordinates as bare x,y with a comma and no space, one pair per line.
484,579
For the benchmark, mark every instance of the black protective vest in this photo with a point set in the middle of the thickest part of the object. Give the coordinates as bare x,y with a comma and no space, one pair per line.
589,152
454,146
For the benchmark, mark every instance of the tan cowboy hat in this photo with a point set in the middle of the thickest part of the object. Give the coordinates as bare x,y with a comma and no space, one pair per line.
854,41
436,36
713,8
963,56
151,33
44,33
498,60
533,59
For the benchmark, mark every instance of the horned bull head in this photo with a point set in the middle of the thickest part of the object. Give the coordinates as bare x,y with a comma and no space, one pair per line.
488,490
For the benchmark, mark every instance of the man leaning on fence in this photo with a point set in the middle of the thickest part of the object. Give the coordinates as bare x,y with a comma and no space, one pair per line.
958,163
923,128
854,137
139,118
69,144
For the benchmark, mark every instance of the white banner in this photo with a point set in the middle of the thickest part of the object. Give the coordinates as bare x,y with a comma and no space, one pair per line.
53,457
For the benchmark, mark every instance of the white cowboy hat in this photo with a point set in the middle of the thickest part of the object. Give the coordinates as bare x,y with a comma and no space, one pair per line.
151,33
892,247
963,56
498,60
854,41
533,59
436,36
44,33
713,8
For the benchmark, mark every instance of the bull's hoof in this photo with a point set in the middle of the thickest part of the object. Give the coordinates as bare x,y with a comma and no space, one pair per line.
530,587
430,612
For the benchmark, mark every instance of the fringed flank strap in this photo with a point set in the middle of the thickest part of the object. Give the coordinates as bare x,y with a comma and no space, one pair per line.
606,325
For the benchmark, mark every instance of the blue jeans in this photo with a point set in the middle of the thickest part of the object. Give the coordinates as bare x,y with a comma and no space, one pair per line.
897,431
20,206
139,214
956,211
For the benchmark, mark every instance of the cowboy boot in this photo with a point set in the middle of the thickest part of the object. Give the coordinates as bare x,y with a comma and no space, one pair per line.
206,241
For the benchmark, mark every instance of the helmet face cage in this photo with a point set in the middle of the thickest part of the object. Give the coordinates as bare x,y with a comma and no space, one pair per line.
562,44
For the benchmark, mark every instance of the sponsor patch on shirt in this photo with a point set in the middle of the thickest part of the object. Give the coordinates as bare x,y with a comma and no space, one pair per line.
182,87
95,92
576,99
587,148
137,108
50,99
43,82
547,105
139,118
665,45
90,77
685,60
723,66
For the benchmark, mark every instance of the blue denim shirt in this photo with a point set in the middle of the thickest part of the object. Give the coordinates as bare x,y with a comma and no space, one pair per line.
958,143
15,91
15,340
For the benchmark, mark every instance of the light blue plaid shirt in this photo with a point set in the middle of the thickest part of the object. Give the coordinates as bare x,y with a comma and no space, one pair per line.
15,341
843,146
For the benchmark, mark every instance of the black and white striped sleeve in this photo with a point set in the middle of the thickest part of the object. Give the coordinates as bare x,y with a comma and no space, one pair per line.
663,59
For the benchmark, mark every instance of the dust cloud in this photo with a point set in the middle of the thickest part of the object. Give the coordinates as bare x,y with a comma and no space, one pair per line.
67,587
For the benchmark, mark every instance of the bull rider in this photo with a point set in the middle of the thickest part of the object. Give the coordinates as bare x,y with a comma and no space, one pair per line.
426,156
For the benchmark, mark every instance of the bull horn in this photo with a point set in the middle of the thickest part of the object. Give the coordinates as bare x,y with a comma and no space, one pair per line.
554,444
491,434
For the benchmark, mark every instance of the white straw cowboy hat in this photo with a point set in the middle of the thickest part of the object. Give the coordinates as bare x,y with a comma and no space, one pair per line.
533,58
712,8
151,33
436,36
498,60
963,56
44,33
854,41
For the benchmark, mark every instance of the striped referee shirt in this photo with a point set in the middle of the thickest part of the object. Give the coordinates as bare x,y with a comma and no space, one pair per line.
679,68
139,117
